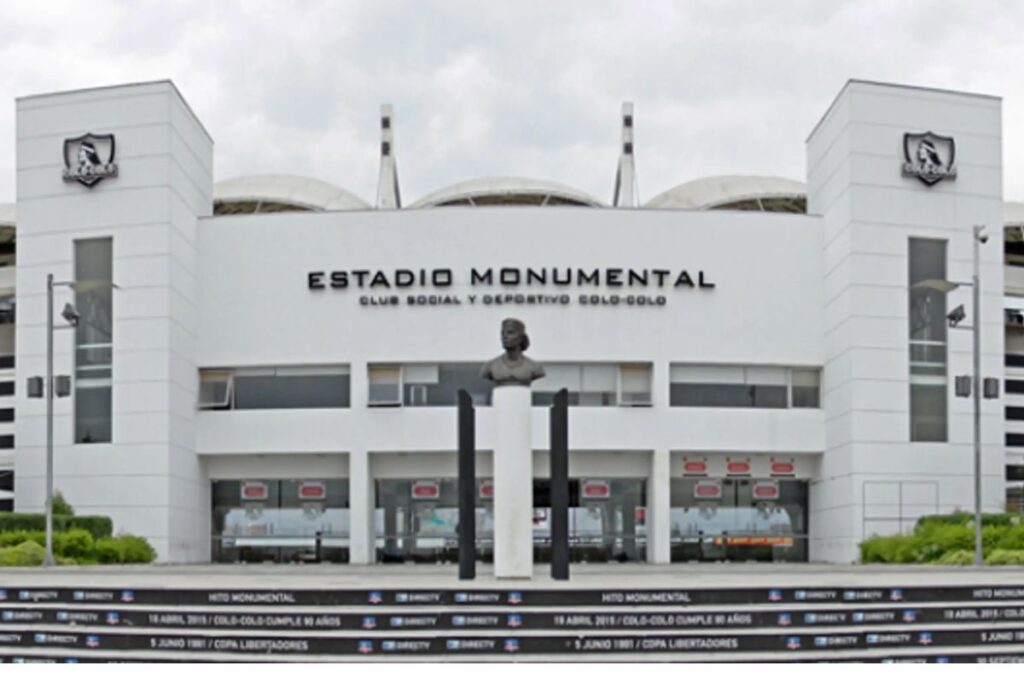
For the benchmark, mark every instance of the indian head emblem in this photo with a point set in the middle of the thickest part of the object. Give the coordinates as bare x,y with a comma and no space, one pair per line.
929,157
89,159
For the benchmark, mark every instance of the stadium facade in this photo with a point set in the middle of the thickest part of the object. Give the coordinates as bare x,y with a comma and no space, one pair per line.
758,368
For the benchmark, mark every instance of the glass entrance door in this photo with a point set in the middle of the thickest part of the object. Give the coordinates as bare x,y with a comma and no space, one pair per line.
280,520
738,520
607,520
417,520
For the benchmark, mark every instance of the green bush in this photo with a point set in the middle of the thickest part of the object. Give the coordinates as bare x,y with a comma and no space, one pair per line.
964,518
944,539
98,526
1002,556
958,557
61,506
124,550
27,554
891,549
77,546
23,521
76,543
1013,538
108,551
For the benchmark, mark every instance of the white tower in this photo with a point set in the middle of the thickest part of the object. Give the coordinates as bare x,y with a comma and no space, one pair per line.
388,196
625,176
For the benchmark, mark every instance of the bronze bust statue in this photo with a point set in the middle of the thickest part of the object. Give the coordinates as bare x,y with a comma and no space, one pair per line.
512,367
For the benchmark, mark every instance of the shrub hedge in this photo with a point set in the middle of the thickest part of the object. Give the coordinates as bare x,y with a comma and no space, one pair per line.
26,554
949,539
76,546
99,527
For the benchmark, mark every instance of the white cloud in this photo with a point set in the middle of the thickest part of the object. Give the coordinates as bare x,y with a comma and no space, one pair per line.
526,88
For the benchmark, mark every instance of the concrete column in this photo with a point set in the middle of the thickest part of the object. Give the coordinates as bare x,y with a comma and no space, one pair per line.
659,509
361,507
513,484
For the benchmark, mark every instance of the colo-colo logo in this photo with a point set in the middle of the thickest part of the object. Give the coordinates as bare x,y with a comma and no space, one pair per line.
510,277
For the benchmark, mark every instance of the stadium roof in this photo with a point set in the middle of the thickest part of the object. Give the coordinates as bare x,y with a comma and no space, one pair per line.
500,190
268,193
734,191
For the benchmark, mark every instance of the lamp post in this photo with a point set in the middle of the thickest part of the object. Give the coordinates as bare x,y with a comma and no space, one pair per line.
974,388
51,386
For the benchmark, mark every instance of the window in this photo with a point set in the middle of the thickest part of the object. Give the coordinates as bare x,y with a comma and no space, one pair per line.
215,389
635,385
806,388
427,384
93,340
736,386
385,385
274,388
595,384
927,334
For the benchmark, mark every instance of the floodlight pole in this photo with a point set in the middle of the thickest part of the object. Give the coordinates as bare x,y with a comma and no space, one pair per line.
976,390
48,559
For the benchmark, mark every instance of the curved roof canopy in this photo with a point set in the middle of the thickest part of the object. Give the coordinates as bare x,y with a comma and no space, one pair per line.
507,191
750,193
275,193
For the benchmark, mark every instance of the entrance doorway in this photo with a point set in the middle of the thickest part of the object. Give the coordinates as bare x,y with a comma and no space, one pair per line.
417,520
738,520
280,520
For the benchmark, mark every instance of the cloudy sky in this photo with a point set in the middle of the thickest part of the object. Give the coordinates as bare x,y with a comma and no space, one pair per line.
524,87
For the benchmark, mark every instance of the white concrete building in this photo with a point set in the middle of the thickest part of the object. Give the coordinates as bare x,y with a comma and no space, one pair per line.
755,367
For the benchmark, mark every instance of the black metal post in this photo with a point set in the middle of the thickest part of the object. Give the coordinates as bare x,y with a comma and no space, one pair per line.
318,546
560,486
467,487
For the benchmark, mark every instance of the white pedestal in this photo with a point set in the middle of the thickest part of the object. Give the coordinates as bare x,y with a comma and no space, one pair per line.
513,484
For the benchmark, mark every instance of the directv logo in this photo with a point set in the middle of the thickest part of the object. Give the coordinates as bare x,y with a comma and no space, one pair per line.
3,595
810,618
24,595
849,595
62,616
858,617
78,595
872,639
401,597
453,645
388,645
396,621
461,597
40,638
8,616
458,620
800,595
820,641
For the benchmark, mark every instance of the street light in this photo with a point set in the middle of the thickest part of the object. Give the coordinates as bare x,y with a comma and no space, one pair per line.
955,317
56,386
